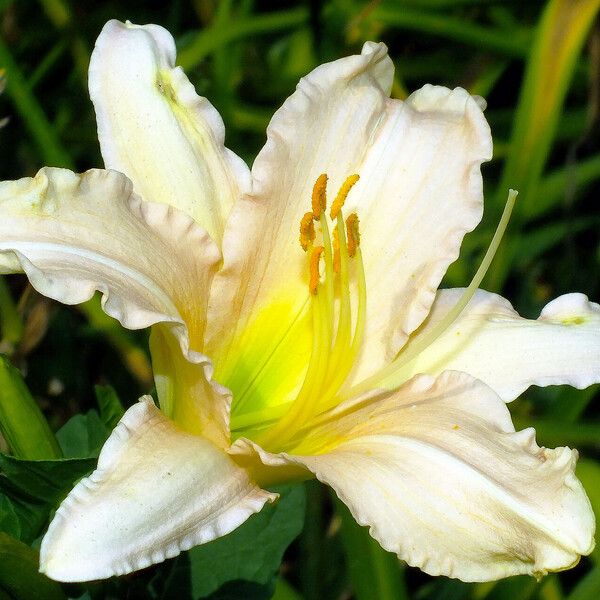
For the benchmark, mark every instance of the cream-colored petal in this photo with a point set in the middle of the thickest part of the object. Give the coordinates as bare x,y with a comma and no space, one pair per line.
438,473
75,234
187,391
420,191
154,128
156,492
493,343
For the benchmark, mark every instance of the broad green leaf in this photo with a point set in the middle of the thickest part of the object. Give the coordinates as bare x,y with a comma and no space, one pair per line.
111,409
284,591
252,552
34,488
21,420
9,520
82,436
19,576
246,590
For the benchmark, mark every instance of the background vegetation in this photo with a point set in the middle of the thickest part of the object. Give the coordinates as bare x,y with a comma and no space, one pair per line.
538,65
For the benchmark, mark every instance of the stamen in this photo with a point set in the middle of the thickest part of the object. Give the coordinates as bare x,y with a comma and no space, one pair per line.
307,231
335,341
353,234
342,195
319,196
336,251
315,276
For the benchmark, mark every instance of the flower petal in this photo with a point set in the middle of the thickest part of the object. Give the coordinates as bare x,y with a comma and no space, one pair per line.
187,392
156,491
438,473
420,191
75,234
491,342
153,127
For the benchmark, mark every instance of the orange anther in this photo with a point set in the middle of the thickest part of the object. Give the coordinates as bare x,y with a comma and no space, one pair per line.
319,196
353,234
315,276
307,231
342,195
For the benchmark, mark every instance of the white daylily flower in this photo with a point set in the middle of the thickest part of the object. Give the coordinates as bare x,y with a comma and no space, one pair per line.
312,354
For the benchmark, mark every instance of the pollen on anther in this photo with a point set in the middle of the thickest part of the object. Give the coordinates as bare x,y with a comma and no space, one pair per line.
315,276
319,196
307,231
342,195
353,234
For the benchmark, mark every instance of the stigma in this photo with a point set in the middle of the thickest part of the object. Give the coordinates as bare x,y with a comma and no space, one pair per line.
337,292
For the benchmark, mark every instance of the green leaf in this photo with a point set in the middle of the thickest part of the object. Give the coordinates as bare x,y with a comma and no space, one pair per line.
247,590
111,409
82,436
21,420
19,576
375,573
588,472
32,489
588,588
9,520
252,552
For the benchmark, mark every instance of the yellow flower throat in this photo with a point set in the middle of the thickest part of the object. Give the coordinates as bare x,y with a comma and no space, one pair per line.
338,327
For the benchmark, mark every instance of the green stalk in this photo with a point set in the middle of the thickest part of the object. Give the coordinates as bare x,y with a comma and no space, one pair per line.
21,421
31,113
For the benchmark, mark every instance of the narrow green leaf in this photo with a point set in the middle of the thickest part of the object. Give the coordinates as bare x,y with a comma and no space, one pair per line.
19,575
514,44
557,186
25,103
252,552
21,420
375,573
11,324
111,409
550,68
588,472
211,38
134,357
